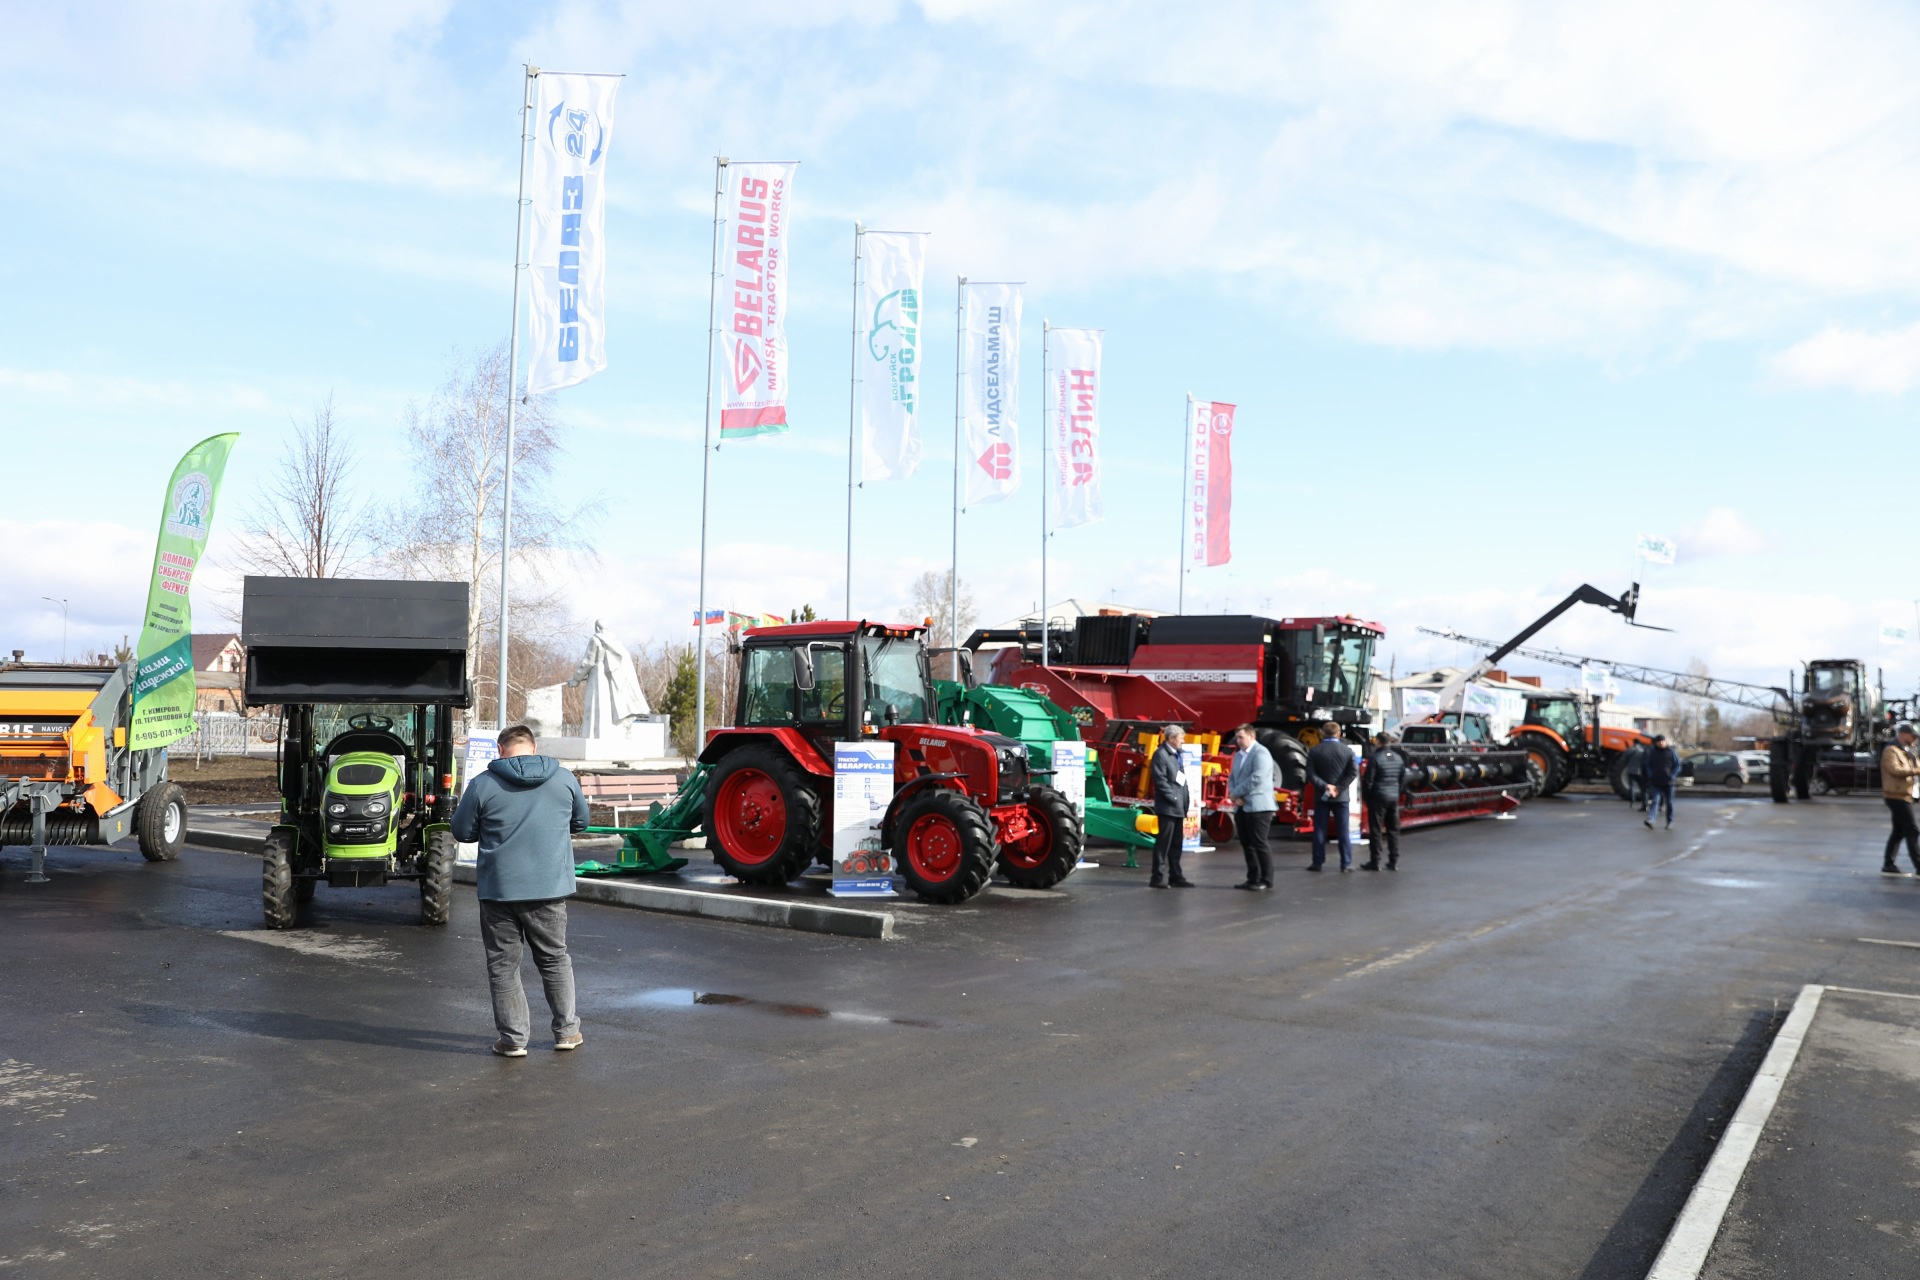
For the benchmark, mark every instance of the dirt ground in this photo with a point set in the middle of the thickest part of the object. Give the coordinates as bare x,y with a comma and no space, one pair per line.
227,780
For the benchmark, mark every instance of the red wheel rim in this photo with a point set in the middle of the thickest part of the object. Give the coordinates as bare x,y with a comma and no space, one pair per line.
752,817
934,847
1032,850
1219,825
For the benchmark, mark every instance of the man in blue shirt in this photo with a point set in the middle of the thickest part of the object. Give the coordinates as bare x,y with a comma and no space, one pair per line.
523,812
1250,787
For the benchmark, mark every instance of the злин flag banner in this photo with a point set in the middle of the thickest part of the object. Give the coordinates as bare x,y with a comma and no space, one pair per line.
1654,549
1210,482
991,387
163,688
567,253
759,208
889,353
1076,425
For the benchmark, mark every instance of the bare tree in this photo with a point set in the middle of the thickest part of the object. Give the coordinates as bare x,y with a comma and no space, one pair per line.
1687,720
449,528
305,522
930,600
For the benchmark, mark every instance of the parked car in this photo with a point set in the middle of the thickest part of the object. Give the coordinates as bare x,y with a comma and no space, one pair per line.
1717,769
1759,764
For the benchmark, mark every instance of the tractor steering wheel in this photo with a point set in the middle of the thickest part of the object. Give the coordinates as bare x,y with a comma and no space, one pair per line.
836,705
367,720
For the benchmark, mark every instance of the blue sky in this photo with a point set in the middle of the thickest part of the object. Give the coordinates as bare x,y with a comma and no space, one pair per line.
1496,286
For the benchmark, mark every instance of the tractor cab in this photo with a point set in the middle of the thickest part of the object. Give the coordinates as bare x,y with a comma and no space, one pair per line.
834,681
1564,714
1838,701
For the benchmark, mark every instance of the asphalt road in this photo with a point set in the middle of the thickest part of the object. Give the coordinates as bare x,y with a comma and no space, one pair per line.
1509,1059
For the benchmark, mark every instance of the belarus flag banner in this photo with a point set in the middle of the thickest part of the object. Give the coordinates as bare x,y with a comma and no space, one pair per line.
566,255
1210,482
758,211
888,355
1076,425
991,391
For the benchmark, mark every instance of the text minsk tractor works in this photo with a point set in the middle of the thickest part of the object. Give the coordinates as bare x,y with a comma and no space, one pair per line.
368,675
965,800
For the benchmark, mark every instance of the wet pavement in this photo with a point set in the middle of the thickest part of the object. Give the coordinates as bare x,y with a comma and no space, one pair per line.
1508,1059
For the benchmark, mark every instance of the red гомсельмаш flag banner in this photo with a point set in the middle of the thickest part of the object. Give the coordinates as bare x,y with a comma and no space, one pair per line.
1210,483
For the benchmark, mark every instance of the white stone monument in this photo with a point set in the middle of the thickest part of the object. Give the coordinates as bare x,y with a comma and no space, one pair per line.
617,726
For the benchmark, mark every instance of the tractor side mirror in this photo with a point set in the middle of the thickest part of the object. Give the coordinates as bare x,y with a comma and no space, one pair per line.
1319,635
803,667
893,714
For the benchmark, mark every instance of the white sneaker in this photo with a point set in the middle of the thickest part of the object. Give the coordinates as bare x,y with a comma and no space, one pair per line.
508,1050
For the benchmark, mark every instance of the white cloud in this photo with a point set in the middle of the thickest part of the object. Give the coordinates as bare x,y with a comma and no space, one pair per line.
1721,532
1884,363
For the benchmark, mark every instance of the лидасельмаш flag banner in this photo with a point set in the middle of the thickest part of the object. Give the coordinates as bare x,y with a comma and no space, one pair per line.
1210,483
889,353
1076,425
991,387
753,311
567,254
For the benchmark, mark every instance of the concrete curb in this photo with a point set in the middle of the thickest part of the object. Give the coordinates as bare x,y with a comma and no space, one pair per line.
1694,1232
806,917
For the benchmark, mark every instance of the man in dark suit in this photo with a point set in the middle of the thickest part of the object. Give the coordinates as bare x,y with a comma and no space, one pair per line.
1331,768
1170,800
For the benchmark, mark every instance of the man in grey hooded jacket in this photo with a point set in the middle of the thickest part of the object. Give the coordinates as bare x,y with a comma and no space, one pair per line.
523,812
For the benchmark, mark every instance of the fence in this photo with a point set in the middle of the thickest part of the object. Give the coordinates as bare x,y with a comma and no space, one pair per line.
227,733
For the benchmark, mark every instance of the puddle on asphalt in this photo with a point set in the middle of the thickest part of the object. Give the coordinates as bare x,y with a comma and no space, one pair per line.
687,998
1728,882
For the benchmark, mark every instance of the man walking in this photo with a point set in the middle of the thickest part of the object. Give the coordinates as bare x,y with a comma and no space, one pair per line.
523,812
1633,769
1900,786
1170,800
1250,787
1331,768
1660,771
1386,767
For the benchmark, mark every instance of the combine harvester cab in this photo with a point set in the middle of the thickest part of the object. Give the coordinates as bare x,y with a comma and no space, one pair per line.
67,776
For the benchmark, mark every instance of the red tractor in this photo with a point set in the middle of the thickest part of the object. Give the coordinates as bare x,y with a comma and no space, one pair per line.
965,801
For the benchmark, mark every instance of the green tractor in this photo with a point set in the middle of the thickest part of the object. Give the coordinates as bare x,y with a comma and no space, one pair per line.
367,675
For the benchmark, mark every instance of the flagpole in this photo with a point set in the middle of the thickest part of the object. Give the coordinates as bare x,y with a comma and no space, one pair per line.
853,407
1186,464
1046,444
959,396
513,379
706,459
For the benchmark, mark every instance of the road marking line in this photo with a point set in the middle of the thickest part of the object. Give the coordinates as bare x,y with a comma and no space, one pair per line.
1885,942
1399,957
1694,1232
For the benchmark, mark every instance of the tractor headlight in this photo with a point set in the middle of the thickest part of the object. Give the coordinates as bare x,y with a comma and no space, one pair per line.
376,806
336,807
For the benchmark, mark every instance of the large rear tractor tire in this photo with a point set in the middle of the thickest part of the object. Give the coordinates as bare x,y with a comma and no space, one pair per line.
161,821
436,878
1806,763
943,846
1289,758
1052,851
1547,763
1617,776
1779,769
277,901
763,816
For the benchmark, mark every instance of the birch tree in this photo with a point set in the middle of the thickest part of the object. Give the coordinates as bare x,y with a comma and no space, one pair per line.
306,521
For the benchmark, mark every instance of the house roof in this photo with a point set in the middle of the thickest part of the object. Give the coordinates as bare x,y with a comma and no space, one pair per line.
209,645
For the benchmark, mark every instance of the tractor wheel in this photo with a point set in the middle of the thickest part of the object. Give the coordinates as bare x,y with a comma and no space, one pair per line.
436,878
1219,825
1779,768
161,820
277,900
1289,758
1052,851
763,816
1805,764
943,843
1547,763
1617,777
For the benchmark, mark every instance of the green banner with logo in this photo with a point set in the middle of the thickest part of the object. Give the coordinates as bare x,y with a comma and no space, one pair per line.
163,689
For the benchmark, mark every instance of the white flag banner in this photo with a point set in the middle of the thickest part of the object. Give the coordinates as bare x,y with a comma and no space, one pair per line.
889,353
1480,701
1418,704
991,387
567,253
1893,633
1595,679
1076,425
759,210
1654,549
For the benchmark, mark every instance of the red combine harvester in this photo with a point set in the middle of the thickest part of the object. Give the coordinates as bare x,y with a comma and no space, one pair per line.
1125,676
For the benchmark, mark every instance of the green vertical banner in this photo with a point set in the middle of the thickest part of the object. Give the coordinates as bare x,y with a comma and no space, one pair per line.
163,688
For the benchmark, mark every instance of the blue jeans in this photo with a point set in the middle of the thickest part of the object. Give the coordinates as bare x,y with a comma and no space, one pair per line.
1330,818
1659,793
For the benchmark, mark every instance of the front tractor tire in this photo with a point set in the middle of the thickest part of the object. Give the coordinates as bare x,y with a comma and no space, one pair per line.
1547,763
1617,776
1050,850
436,878
278,902
943,846
161,821
763,818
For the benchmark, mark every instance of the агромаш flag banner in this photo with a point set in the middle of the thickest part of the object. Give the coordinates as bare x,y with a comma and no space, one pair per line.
889,353
1076,426
759,205
991,386
567,254
163,686
1210,483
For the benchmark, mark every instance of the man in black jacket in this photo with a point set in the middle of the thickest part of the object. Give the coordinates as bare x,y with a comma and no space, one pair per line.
1661,771
1331,768
1385,768
1170,799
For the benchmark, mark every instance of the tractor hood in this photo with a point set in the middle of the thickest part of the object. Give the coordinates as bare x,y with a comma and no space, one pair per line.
523,771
